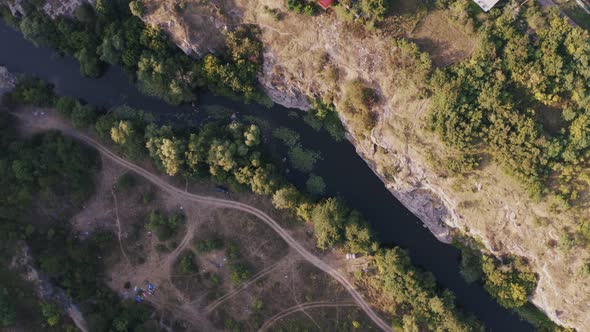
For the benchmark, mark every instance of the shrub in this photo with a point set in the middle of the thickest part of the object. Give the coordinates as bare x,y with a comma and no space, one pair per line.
239,273
163,226
207,245
32,91
83,116
7,309
315,185
187,263
126,182
66,105
510,283
356,107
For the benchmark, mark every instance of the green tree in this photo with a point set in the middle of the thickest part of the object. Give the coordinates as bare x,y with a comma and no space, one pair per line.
329,219
287,198
137,8
7,309
83,116
187,263
165,148
51,314
315,185
66,105
252,135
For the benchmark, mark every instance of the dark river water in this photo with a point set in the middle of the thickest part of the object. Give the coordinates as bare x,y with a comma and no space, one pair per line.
344,172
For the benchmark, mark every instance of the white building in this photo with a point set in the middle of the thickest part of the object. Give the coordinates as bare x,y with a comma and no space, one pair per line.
486,4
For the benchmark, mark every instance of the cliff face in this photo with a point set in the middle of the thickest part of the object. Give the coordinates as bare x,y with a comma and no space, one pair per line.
318,55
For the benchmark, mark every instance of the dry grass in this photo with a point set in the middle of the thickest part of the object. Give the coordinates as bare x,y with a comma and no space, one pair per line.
446,43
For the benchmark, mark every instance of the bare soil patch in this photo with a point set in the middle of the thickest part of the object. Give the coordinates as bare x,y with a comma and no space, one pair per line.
446,43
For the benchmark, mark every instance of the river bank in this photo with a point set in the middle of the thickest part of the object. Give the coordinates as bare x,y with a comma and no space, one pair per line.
320,55
364,190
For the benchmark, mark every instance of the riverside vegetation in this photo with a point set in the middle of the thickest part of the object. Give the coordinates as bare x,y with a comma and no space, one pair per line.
470,114
111,34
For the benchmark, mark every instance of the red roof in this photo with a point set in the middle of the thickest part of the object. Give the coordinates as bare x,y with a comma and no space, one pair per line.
325,3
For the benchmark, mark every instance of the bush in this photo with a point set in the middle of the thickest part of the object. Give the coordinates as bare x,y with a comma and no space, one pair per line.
302,159
315,185
207,245
510,283
187,263
66,105
31,91
239,273
356,107
137,8
7,309
126,182
83,116
163,226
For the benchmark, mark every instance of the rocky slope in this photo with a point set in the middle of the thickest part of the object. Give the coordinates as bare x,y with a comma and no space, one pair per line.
318,55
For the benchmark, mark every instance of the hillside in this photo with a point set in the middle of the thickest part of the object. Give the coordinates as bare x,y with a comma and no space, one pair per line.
348,64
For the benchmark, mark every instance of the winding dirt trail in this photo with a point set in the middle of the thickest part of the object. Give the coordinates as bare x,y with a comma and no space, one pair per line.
300,307
243,286
51,122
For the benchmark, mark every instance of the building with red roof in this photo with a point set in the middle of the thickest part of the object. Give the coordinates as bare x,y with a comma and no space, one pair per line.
325,3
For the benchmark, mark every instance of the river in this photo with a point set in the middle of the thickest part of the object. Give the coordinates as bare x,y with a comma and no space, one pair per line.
345,173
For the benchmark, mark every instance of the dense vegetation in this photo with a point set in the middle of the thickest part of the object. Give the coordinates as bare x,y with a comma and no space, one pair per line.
111,34
44,179
367,12
510,281
532,117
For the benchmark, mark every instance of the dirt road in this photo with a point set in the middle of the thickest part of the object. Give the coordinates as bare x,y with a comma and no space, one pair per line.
550,3
301,307
49,123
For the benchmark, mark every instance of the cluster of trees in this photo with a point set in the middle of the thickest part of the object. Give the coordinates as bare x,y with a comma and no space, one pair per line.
45,169
323,115
238,269
187,264
164,226
112,33
510,281
48,170
533,73
367,12
7,309
415,295
308,7
300,158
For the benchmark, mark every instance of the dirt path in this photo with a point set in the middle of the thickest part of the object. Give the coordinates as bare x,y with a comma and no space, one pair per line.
300,307
243,286
119,227
47,122
550,3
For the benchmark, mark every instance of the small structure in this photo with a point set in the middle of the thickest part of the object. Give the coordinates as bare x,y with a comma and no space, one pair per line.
325,3
486,4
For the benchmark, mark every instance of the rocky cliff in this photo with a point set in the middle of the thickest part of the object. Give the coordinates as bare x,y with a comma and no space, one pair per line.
316,56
